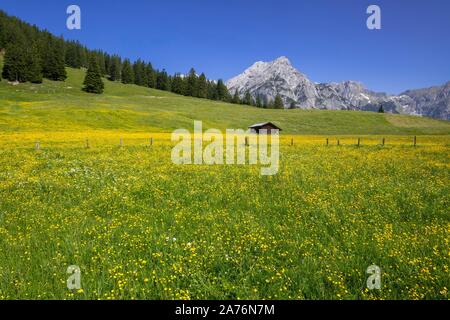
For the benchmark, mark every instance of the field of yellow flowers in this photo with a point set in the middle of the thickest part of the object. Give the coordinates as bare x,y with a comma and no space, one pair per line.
140,227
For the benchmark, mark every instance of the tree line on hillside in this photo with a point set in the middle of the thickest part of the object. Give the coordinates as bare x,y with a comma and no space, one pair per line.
32,54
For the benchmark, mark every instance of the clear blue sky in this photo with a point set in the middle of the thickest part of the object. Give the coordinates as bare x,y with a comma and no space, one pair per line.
326,39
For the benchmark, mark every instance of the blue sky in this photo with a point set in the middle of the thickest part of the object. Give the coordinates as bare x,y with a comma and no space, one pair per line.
326,39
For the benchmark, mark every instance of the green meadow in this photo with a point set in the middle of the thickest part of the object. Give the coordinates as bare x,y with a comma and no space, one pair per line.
62,106
140,227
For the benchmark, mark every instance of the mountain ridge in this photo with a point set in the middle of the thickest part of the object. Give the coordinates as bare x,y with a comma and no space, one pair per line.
267,79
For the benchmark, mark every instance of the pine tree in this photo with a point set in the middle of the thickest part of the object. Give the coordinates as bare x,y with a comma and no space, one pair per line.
258,102
381,110
236,99
202,86
212,90
34,65
278,103
177,84
222,91
248,98
115,68
15,62
101,62
151,75
127,72
53,62
191,84
140,76
93,82
72,57
162,81
83,54
108,60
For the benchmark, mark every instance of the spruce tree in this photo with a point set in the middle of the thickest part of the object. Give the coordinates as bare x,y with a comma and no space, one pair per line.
248,98
278,103
115,68
101,62
162,81
140,76
212,90
381,110
258,102
127,72
93,82
15,62
202,86
191,84
34,65
222,91
53,62
177,84
151,75
236,99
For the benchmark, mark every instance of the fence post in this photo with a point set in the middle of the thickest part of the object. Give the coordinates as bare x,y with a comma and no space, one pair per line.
383,141
121,142
327,141
246,141
38,145
292,141
338,142
151,141
87,143
415,141
359,141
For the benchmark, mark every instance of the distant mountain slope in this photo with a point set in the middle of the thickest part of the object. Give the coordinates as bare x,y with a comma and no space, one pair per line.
434,101
267,79
62,106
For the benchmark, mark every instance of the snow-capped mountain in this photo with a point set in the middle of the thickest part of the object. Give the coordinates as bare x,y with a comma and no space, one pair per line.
267,79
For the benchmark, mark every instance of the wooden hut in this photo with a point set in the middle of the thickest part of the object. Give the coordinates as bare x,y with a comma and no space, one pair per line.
269,126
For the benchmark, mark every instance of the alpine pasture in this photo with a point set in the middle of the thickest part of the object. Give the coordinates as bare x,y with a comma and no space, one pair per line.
140,227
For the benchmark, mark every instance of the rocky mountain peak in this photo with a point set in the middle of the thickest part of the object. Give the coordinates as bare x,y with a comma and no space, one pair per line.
279,77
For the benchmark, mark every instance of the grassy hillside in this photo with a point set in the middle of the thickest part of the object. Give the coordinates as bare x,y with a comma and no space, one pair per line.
62,106
141,227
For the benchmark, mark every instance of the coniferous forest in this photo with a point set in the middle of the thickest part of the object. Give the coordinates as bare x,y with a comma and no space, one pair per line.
32,54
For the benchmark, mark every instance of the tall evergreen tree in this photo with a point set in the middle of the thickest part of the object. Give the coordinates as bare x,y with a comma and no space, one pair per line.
115,68
278,103
222,91
202,86
162,81
72,57
34,65
101,62
236,99
127,72
93,82
191,83
212,90
177,84
258,101
54,60
140,76
15,62
248,98
151,75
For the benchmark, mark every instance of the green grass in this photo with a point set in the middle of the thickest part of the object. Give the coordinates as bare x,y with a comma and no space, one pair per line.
310,232
141,227
62,106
